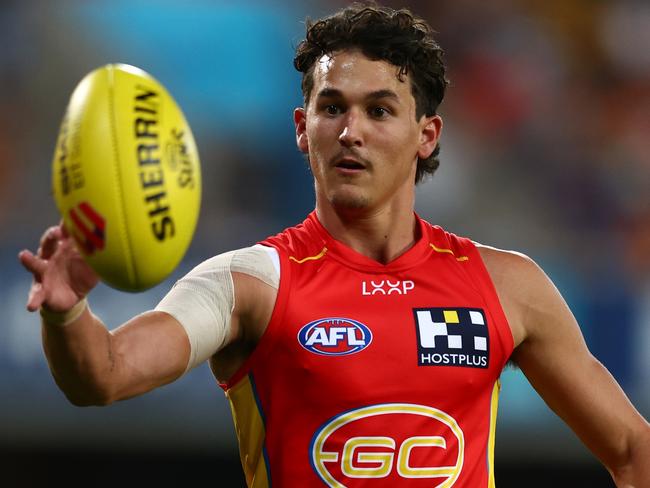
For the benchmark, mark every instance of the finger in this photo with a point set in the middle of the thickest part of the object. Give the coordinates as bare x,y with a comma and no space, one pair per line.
49,242
64,231
69,239
36,297
47,234
33,264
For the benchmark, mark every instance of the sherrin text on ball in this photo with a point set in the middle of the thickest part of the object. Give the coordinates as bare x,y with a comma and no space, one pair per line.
126,176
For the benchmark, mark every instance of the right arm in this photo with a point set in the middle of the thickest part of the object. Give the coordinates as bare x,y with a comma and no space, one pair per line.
218,311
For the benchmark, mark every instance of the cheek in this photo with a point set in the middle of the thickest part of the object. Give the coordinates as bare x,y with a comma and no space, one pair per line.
400,143
318,132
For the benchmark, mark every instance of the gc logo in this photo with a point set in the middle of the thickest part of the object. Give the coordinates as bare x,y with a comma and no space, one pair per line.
343,449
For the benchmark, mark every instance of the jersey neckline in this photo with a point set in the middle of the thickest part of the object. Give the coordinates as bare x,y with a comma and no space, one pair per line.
339,251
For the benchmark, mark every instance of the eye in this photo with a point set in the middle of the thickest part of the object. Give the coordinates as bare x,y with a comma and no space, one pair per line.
332,109
379,112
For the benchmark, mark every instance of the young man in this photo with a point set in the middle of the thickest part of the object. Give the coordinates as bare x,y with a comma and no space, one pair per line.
364,346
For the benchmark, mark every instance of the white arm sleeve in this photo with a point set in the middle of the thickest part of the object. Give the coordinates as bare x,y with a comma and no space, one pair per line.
203,300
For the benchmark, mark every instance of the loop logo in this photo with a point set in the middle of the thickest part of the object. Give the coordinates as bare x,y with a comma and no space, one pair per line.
335,336
391,442
386,287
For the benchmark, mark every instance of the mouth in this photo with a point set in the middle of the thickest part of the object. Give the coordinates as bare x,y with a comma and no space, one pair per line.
349,166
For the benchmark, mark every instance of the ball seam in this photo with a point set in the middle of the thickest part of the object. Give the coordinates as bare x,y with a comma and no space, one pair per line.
130,264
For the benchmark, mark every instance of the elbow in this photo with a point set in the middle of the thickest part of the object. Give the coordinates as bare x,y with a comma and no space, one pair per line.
631,467
85,399
87,393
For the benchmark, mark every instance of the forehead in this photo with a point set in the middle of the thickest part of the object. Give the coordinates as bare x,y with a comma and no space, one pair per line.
352,73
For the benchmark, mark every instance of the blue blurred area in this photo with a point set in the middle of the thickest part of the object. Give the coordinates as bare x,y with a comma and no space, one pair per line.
229,63
545,151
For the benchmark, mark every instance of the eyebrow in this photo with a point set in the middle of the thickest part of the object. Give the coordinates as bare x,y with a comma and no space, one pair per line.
375,95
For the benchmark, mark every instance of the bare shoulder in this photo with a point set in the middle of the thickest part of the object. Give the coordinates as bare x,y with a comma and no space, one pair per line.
504,263
522,286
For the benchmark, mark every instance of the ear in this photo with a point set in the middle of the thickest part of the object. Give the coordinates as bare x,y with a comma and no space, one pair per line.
300,120
429,135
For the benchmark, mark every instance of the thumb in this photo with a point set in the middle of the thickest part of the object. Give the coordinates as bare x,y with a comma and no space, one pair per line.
36,297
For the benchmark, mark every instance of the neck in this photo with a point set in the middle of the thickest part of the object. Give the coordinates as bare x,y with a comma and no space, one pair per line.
380,234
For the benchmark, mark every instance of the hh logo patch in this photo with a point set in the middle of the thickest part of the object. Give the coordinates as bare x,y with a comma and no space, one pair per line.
452,337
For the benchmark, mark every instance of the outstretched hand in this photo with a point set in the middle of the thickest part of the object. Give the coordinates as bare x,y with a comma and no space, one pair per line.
61,275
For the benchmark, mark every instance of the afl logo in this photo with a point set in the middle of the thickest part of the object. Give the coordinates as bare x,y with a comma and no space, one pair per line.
334,336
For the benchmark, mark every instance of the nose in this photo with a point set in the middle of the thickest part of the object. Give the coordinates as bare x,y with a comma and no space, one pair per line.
351,134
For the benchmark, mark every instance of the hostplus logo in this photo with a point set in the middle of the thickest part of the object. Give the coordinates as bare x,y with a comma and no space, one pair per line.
452,337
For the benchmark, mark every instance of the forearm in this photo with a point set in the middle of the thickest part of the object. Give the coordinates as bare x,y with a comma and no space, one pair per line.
80,357
91,365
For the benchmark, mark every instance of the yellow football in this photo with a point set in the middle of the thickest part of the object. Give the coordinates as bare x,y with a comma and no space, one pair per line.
126,177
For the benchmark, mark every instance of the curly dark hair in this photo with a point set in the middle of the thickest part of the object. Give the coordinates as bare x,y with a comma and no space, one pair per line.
382,34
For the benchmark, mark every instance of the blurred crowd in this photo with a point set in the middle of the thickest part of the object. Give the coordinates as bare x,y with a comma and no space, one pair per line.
545,147
548,111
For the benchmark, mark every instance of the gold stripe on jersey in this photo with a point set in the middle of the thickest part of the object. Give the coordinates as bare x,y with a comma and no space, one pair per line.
251,432
442,250
309,258
494,405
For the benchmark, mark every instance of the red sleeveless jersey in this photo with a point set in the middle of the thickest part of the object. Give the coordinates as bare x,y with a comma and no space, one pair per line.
374,375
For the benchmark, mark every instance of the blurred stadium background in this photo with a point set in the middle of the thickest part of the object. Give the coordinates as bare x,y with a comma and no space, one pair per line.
545,150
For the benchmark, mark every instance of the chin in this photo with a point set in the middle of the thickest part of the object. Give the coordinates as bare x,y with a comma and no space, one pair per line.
349,200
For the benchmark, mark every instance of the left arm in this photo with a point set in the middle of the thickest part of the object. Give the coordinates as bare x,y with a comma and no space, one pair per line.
550,350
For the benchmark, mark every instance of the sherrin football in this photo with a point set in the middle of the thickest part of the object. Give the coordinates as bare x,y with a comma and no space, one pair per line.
126,177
